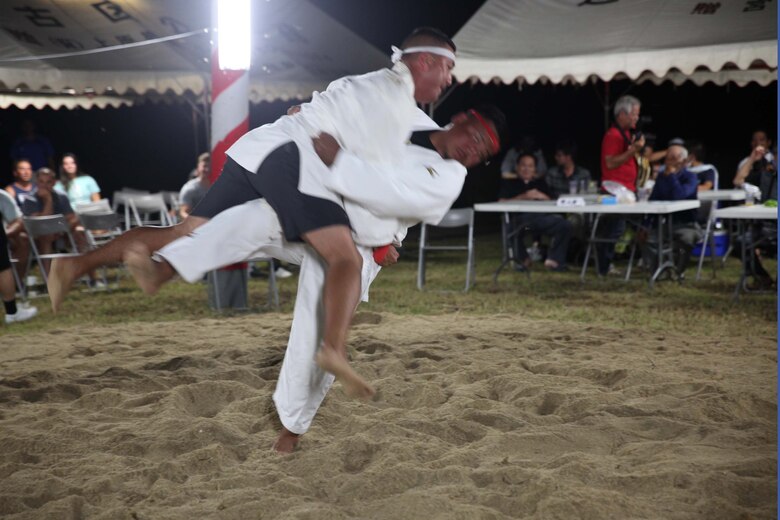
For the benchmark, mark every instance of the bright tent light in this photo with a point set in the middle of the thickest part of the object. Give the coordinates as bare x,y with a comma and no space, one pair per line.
234,40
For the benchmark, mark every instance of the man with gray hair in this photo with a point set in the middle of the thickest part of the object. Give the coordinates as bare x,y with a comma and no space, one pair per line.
618,164
677,182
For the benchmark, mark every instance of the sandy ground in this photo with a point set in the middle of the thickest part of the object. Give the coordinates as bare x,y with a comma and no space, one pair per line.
475,418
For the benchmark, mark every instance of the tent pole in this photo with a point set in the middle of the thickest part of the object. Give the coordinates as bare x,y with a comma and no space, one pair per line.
606,105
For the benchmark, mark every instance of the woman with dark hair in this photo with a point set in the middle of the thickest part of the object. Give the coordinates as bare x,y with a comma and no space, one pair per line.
77,185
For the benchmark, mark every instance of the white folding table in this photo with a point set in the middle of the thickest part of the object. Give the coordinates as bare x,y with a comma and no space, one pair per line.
639,208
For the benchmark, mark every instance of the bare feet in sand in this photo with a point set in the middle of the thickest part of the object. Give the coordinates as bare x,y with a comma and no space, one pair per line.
335,362
286,442
61,276
143,269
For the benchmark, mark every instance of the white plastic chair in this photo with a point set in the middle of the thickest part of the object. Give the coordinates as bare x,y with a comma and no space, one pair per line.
454,218
707,210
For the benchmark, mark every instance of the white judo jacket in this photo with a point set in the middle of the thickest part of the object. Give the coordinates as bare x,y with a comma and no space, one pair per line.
383,200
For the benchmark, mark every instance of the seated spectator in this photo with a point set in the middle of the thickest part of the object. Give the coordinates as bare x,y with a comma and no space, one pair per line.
48,201
23,185
676,183
527,186
706,173
759,169
11,217
565,171
195,189
526,144
77,185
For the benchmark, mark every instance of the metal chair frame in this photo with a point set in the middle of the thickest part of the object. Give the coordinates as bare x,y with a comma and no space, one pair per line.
454,218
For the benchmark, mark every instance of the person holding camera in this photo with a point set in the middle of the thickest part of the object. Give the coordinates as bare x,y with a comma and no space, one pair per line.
760,169
619,148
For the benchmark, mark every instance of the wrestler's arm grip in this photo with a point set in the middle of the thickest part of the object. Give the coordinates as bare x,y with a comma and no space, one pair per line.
411,190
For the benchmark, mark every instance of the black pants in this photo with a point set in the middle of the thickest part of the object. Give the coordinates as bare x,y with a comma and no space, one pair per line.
5,260
276,181
556,227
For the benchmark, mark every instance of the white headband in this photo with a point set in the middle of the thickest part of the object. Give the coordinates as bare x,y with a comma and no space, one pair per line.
398,53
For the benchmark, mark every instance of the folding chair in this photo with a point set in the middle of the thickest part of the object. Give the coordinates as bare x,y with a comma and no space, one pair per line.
454,218
100,229
172,201
49,225
148,205
120,199
707,212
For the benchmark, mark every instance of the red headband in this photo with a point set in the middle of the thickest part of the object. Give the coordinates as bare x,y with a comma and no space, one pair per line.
490,132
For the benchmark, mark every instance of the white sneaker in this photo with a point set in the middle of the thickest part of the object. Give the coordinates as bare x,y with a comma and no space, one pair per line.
22,314
281,272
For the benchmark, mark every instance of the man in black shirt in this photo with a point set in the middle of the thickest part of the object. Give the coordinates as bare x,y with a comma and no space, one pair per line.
527,187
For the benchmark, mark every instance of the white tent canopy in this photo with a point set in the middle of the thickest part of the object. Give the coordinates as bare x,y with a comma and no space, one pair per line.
296,48
574,40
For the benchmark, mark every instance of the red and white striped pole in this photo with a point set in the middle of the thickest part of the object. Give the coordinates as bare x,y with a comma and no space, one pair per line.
229,119
229,110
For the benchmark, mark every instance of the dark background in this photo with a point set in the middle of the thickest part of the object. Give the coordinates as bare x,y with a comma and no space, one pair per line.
153,146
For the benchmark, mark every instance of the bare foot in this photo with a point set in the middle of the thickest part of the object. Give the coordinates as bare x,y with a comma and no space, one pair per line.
330,360
61,276
142,267
286,442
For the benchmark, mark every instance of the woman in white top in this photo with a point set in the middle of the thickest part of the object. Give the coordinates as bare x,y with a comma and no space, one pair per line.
77,185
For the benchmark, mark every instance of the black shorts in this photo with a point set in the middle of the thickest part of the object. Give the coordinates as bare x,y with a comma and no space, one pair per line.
276,181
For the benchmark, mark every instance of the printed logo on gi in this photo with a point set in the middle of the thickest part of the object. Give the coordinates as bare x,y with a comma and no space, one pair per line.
432,171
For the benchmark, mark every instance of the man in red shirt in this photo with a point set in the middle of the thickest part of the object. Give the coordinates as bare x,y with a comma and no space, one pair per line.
618,150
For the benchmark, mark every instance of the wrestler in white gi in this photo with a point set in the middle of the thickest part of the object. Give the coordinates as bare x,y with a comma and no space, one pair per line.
423,190
370,116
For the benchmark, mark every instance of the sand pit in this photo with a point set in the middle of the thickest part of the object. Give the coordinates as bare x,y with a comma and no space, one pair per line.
475,418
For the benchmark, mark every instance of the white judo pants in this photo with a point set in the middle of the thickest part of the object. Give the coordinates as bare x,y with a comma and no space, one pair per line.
252,230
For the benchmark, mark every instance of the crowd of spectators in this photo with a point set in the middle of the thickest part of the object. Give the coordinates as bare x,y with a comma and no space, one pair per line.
634,161
37,190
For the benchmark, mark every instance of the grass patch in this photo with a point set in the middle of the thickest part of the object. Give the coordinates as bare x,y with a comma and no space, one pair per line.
703,308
